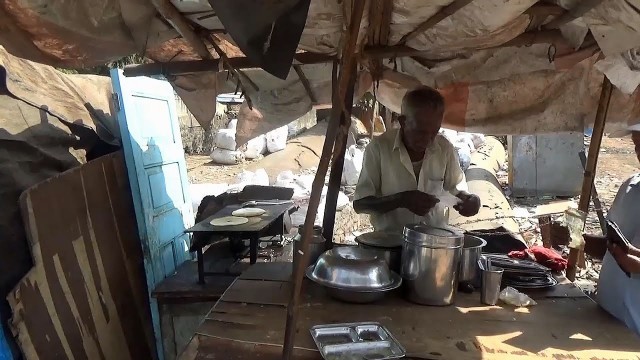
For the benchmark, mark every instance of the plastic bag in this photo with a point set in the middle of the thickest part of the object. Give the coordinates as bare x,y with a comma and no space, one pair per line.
256,147
233,124
514,297
226,139
447,199
226,157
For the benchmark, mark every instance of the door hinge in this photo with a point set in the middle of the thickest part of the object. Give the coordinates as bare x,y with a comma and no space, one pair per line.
116,101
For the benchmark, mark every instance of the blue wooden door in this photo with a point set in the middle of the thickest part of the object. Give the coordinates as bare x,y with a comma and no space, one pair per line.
155,162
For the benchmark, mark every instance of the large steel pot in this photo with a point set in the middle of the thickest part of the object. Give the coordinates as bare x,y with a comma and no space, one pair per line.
430,264
386,244
471,251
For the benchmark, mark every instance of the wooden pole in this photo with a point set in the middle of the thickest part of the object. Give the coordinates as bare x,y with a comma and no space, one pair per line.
175,18
337,164
590,169
595,198
444,13
347,65
577,11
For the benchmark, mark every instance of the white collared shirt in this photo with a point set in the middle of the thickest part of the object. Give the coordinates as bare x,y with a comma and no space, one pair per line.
387,169
618,294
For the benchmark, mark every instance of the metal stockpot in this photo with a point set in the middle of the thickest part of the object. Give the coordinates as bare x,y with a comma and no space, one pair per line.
471,251
431,263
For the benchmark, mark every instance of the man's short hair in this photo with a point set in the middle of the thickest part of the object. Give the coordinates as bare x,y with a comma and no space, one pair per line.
422,96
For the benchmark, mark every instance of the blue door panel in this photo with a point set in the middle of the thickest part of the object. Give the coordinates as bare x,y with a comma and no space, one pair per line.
158,176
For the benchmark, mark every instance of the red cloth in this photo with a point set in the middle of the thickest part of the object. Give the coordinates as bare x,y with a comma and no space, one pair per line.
547,257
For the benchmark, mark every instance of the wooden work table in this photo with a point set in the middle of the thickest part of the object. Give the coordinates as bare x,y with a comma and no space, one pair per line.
249,321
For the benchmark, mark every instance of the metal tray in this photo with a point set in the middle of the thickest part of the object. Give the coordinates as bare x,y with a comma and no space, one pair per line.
356,341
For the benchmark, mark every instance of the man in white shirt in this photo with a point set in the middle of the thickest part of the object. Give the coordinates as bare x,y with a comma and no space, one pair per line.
405,169
618,293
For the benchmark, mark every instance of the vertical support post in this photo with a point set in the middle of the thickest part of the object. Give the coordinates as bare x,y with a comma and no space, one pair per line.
545,230
590,169
347,65
595,198
337,164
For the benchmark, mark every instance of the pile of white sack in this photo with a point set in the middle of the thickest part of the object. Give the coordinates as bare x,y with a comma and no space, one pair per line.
465,144
227,153
301,185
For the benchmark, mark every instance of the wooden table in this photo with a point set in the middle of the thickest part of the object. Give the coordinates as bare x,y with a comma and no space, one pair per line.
248,323
256,227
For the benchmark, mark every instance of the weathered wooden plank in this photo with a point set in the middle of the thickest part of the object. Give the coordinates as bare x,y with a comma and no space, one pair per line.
278,271
258,292
85,297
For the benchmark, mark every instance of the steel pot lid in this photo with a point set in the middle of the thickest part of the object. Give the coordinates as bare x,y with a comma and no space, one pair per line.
352,267
433,237
381,239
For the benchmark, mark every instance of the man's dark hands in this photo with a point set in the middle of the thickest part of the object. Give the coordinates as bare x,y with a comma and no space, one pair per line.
469,206
417,202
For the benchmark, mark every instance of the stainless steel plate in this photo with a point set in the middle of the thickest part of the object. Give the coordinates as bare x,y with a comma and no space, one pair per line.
381,239
356,341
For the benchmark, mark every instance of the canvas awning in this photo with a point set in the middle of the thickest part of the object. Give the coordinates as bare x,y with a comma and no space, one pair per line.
505,67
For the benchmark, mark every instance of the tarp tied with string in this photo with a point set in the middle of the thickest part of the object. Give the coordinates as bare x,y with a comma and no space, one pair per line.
504,66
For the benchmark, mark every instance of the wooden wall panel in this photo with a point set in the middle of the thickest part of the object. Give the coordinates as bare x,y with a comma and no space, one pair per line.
85,297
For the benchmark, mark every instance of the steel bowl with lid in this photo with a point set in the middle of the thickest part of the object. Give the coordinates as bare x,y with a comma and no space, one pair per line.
353,274
387,244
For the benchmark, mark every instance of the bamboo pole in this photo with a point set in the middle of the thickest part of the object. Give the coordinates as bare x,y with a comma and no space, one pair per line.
592,163
347,66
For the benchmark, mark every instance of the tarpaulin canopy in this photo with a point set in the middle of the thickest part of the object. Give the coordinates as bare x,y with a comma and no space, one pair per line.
504,66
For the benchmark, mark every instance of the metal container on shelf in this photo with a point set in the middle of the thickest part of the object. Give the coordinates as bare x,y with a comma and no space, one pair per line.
431,263
316,246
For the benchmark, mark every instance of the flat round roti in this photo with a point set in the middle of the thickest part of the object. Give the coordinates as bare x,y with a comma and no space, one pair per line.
229,221
248,212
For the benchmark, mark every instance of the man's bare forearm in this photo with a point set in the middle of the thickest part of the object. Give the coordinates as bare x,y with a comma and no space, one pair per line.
377,204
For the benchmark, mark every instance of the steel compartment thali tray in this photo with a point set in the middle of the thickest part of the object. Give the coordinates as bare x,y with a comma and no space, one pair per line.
356,341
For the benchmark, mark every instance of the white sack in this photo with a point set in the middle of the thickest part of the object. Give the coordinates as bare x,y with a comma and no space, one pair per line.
353,159
256,147
233,124
199,191
226,157
450,135
277,139
226,139
260,177
464,155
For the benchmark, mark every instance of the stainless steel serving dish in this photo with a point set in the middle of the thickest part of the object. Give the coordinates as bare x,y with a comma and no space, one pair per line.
367,340
353,274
